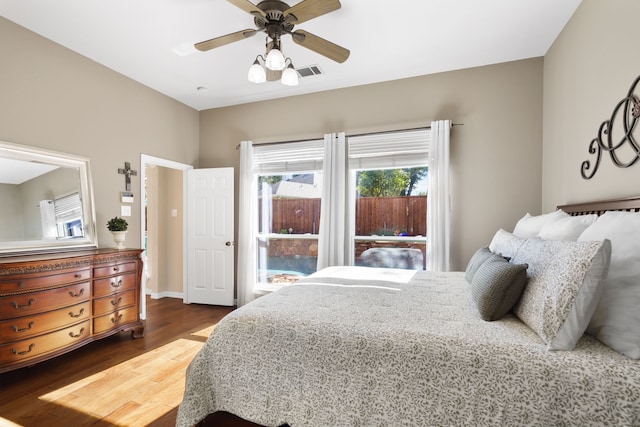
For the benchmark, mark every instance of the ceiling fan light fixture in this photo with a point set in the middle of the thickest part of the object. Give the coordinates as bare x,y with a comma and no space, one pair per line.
277,18
257,73
275,60
289,75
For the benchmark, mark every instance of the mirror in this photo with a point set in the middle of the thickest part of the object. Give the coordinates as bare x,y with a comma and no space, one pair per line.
46,201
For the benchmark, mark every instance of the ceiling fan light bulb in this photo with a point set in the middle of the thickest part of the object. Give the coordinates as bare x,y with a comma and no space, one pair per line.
257,73
289,76
275,60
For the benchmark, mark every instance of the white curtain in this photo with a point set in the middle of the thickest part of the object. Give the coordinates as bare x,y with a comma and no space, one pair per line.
48,219
438,198
331,239
247,225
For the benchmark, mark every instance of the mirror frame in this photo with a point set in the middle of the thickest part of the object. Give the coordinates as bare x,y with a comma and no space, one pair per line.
90,239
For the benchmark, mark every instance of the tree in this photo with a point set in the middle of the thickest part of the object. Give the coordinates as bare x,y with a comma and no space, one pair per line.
415,175
269,179
389,182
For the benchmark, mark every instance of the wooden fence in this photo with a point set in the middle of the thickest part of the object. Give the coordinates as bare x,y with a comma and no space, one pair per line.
402,215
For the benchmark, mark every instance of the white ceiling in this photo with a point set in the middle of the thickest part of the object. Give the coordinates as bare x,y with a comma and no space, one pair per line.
388,40
14,171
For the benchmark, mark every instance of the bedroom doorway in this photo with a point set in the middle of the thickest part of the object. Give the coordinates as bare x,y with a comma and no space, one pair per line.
163,225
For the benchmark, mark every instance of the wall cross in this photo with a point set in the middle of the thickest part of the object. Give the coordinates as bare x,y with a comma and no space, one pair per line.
127,172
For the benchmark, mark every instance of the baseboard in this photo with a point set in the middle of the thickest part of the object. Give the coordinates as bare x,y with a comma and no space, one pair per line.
165,294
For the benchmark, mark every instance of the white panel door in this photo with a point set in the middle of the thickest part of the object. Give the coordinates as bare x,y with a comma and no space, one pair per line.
210,258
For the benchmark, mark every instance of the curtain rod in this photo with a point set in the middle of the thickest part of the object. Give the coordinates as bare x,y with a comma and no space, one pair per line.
351,136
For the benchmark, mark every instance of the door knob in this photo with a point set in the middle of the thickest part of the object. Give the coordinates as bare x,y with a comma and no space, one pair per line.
229,244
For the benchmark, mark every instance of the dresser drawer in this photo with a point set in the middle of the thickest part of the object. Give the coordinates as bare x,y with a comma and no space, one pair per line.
21,284
104,287
113,302
110,270
27,326
38,302
36,346
115,319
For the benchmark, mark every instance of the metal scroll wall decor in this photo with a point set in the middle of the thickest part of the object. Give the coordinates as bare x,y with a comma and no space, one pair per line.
627,110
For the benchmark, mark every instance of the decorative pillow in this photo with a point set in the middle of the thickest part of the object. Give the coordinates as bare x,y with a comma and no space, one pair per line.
616,321
569,228
496,287
565,284
530,225
476,261
505,244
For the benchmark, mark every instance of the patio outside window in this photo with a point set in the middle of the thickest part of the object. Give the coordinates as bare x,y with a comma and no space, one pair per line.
289,217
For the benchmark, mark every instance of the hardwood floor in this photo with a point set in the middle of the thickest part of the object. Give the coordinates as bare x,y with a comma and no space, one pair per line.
117,381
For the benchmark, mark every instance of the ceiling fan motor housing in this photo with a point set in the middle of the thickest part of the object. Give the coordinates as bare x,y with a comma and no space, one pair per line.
274,23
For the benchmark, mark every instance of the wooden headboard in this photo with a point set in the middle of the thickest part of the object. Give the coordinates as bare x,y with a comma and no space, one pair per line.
631,204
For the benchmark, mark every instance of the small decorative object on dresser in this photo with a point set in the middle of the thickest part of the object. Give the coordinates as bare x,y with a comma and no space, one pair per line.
52,304
118,227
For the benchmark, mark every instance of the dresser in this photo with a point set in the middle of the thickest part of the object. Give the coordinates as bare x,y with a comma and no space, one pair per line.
52,304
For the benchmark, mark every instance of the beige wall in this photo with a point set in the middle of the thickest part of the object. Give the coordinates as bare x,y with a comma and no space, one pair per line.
56,99
153,227
587,71
495,156
170,237
164,240
11,230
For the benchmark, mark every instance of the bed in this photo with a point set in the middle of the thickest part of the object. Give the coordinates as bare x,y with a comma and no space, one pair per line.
362,346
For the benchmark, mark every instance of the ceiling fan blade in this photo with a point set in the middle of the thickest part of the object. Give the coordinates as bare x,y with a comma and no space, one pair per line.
309,9
248,7
223,40
320,45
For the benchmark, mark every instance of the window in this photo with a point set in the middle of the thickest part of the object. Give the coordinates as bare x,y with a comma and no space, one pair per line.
388,177
344,235
288,215
68,214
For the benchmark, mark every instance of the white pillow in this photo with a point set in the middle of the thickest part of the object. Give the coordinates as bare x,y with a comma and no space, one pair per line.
616,321
569,228
565,284
530,225
505,243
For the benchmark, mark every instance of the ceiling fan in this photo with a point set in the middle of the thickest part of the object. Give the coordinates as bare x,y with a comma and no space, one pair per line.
276,18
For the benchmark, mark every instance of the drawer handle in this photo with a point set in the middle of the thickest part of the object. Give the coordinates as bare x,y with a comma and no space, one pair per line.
76,336
116,320
15,304
78,276
22,353
116,269
76,315
116,302
16,329
78,294
116,285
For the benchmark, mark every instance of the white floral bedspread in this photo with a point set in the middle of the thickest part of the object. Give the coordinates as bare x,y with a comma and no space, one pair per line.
326,353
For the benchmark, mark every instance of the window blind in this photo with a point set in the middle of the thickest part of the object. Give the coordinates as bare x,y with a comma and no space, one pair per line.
389,150
288,157
68,208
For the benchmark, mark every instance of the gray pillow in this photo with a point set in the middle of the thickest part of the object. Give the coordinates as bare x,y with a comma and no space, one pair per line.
476,261
497,286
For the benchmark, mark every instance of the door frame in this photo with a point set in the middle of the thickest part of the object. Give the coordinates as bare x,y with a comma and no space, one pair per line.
146,160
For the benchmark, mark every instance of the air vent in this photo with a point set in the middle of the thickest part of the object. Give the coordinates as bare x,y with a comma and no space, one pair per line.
311,70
